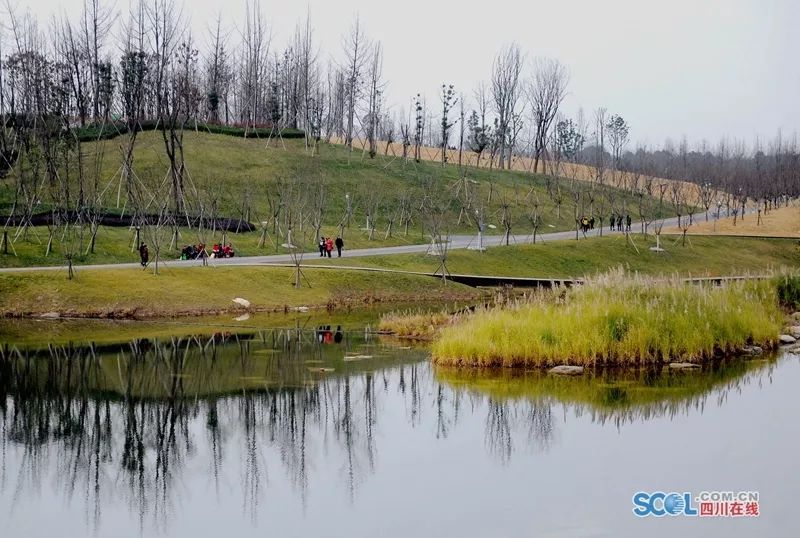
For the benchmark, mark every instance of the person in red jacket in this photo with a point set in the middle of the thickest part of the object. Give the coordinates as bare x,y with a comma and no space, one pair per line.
329,246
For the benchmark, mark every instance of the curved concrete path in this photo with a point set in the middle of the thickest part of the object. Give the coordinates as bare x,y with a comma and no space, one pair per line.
456,242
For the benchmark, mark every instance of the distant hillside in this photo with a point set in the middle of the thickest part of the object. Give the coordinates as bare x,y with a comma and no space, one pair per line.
583,172
245,178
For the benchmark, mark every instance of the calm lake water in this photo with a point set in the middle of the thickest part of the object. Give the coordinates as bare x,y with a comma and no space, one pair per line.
297,432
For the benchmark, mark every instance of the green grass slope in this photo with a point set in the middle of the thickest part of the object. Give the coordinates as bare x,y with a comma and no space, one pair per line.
702,256
241,177
201,290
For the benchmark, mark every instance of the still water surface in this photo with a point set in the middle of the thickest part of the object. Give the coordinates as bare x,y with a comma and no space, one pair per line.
286,432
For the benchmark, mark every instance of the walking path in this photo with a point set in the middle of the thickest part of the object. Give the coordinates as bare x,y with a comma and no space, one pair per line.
456,242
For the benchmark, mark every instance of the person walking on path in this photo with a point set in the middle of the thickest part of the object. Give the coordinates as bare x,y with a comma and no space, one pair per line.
627,223
619,223
339,246
612,221
329,246
144,254
321,247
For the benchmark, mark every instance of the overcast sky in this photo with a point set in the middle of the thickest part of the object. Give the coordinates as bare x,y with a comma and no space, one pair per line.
700,68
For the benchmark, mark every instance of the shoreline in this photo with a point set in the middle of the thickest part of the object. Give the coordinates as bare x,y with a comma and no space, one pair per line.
135,314
190,293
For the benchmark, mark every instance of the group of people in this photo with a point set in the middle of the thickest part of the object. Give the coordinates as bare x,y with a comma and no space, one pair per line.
222,251
617,219
198,251
326,245
616,223
326,336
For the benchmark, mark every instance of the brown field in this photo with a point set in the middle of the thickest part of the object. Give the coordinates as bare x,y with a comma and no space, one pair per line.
689,192
783,222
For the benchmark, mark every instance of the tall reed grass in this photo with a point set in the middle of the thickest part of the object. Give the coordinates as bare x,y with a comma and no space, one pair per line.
617,319
788,287
409,324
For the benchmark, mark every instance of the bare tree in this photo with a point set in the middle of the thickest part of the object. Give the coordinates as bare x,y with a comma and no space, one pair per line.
96,23
505,89
546,90
600,143
135,77
434,212
357,53
253,67
534,216
374,98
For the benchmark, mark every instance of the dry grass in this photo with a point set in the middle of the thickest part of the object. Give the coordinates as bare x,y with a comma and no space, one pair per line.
783,222
617,319
688,191
421,325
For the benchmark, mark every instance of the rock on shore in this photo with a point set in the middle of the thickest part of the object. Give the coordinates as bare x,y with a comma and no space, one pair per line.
566,370
683,366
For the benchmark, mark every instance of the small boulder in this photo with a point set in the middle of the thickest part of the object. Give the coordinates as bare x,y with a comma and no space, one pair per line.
794,330
243,302
794,349
683,366
50,315
786,339
796,316
753,351
566,370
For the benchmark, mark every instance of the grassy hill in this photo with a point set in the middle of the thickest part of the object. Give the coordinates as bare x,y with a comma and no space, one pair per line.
243,178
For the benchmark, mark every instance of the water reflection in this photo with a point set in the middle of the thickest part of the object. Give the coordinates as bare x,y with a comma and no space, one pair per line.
616,396
133,422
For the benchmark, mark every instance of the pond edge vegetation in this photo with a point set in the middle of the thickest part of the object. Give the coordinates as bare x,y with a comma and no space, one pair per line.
615,319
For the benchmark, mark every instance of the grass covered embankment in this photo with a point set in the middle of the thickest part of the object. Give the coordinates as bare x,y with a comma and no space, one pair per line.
702,256
133,293
617,319
246,178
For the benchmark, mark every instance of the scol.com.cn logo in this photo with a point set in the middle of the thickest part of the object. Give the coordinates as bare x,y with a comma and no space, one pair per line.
705,504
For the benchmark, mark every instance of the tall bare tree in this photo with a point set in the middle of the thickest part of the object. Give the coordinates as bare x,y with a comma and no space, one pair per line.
253,67
546,90
357,54
374,99
505,90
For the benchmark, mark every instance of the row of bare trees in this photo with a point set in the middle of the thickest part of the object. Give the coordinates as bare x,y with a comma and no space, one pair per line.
85,77
729,173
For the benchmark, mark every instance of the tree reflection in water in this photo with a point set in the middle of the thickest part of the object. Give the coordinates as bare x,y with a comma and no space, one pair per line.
92,419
